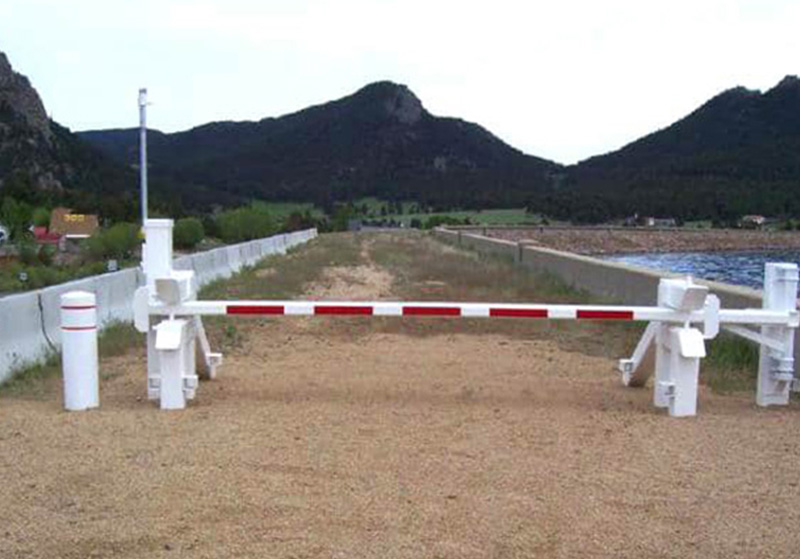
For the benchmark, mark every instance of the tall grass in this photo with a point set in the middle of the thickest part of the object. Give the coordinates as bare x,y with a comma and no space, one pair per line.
731,364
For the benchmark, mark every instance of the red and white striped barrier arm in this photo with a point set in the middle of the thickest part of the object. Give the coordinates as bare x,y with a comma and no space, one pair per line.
467,310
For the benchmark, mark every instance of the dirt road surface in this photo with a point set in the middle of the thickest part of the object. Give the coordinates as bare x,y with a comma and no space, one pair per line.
316,441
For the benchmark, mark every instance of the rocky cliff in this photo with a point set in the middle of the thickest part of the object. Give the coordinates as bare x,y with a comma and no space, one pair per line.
17,96
44,163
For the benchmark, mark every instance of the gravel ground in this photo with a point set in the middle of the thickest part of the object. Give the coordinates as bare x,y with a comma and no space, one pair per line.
629,240
315,444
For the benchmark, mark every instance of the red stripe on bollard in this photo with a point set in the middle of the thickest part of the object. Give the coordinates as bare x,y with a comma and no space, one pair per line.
254,309
519,313
431,311
336,309
605,315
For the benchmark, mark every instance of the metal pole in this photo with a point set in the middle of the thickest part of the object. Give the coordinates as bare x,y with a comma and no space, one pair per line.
143,151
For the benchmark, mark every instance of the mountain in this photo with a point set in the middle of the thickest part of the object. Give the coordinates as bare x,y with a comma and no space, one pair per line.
379,141
739,153
42,162
27,143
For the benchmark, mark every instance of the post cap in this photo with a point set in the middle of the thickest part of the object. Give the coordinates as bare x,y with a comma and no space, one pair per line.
159,223
78,299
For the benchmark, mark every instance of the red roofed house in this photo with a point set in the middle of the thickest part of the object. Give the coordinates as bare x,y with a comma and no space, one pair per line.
44,237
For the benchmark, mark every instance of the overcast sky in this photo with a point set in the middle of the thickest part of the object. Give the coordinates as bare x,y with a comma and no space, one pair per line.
561,79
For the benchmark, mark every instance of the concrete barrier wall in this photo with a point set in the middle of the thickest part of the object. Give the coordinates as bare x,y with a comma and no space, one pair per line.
622,282
611,280
614,281
21,336
30,323
496,247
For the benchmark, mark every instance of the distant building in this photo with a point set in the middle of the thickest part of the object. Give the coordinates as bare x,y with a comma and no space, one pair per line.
631,221
752,221
660,222
4,235
45,237
73,226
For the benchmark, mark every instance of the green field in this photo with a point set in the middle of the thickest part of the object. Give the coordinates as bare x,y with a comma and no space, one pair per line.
510,216
282,210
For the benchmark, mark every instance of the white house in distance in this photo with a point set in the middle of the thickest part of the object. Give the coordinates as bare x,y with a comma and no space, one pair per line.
3,234
752,221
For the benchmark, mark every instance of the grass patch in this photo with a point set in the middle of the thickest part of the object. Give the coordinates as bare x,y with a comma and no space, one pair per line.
428,270
500,216
277,277
31,380
282,210
731,364
513,216
280,277
35,379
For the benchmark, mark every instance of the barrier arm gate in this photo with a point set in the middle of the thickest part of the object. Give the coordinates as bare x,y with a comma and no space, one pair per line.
673,343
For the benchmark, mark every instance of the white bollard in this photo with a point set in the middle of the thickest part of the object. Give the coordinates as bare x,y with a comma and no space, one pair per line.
79,350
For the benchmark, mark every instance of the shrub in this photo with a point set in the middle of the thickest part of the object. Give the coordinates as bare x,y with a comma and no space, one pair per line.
28,251
298,221
16,216
41,217
210,226
118,242
188,232
243,224
47,254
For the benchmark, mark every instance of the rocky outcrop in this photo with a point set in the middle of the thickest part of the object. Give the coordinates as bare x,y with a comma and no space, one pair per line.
20,101
402,104
38,156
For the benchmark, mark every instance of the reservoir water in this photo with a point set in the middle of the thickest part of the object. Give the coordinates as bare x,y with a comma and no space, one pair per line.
740,268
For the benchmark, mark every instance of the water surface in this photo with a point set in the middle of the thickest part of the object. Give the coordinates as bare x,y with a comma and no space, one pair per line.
739,268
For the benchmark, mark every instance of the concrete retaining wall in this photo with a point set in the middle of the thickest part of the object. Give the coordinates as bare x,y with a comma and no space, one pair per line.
614,281
611,280
30,323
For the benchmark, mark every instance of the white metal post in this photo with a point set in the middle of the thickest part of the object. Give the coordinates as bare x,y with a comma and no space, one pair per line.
79,350
156,263
663,380
157,257
776,366
171,337
686,349
143,152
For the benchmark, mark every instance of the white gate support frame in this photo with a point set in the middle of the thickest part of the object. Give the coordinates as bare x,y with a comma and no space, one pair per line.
674,341
171,358
776,361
